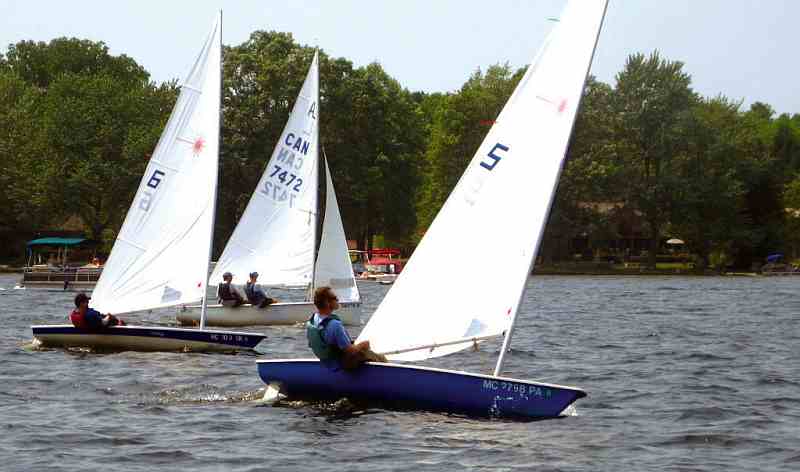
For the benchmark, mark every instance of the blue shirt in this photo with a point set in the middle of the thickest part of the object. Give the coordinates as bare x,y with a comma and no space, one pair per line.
333,334
254,293
94,319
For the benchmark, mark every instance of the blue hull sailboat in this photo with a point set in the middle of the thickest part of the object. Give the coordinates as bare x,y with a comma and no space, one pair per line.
416,387
496,213
165,241
147,338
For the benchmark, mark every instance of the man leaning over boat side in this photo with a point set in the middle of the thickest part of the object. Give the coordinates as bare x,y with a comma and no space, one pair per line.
227,294
328,338
255,295
87,319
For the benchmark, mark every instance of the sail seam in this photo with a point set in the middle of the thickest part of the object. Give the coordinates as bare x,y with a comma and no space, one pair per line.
131,243
192,89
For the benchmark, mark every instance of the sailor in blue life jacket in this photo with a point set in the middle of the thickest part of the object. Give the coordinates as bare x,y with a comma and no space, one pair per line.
255,295
328,338
87,319
227,294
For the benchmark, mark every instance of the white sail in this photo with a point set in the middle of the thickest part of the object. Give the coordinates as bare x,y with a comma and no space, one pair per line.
160,255
333,267
494,218
276,234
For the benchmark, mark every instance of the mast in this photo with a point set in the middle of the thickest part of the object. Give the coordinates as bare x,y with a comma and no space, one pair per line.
204,308
507,341
312,286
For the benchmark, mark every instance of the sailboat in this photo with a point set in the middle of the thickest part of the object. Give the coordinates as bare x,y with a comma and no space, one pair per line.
164,244
496,213
277,233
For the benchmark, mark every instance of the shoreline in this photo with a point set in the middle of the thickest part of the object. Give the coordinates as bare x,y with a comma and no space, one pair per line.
653,273
550,270
636,271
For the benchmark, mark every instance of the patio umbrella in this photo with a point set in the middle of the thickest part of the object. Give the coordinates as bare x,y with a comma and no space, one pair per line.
674,241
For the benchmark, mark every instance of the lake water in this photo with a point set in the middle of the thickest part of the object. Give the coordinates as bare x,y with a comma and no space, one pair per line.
682,374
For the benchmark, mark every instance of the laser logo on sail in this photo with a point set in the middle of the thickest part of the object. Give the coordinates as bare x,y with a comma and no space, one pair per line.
198,146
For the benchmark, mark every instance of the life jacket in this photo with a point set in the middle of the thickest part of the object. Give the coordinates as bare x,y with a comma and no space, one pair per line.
255,297
225,292
78,319
316,341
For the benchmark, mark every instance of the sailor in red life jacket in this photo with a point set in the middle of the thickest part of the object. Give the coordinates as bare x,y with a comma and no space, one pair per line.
87,319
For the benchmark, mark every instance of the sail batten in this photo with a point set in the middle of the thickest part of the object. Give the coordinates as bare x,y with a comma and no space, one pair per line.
467,273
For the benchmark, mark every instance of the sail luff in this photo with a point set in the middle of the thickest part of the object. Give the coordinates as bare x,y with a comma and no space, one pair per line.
509,333
311,288
204,307
333,267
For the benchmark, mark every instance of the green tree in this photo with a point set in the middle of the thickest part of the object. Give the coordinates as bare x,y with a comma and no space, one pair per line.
40,63
791,202
101,132
82,131
588,178
757,169
369,128
708,200
380,159
22,202
459,125
653,101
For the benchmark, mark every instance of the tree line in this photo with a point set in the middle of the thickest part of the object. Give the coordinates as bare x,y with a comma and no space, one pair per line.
77,126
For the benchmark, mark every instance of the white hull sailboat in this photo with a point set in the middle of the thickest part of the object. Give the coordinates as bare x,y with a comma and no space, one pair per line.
154,262
496,213
277,233
282,313
146,339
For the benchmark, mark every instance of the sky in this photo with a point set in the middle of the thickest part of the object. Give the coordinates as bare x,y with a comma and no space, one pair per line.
743,49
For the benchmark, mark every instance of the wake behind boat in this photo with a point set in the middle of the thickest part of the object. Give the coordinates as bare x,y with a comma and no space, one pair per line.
515,171
154,262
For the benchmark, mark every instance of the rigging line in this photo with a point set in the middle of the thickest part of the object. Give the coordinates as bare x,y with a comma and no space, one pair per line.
433,346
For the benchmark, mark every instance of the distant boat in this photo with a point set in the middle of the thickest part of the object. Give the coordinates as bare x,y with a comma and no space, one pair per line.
57,273
277,233
162,252
514,172
777,265
382,265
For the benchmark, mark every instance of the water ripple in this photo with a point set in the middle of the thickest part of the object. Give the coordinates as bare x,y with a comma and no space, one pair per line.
682,373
